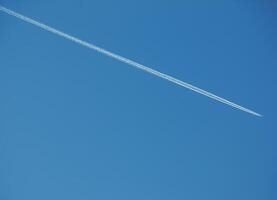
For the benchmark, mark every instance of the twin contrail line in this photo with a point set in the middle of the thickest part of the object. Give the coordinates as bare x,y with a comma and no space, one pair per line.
126,60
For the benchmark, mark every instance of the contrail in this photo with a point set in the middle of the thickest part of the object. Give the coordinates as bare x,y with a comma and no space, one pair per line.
126,60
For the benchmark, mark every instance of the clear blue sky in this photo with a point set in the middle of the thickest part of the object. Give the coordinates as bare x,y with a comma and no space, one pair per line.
75,124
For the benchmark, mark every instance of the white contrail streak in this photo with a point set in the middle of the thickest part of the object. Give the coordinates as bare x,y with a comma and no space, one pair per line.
126,60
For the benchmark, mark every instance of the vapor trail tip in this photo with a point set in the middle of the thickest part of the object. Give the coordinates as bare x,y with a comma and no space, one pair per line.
257,114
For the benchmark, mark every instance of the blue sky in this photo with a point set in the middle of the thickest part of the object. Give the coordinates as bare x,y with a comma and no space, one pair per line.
75,124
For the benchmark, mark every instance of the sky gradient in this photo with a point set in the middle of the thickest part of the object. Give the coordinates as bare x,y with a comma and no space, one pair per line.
75,124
